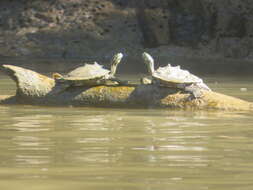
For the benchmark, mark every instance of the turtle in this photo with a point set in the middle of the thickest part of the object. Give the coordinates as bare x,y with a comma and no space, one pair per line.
174,77
89,75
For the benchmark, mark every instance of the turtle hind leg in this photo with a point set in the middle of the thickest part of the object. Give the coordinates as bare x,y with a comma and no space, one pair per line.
195,92
59,88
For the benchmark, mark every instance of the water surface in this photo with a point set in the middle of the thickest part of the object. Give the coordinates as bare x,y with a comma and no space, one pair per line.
127,149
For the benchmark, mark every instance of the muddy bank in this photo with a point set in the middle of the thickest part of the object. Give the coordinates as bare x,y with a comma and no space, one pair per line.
185,32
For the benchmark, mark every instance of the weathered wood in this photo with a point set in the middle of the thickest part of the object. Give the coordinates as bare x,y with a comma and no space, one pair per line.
34,88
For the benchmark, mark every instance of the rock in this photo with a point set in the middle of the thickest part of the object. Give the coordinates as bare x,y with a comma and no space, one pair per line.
155,26
197,25
36,89
46,17
234,47
25,31
29,83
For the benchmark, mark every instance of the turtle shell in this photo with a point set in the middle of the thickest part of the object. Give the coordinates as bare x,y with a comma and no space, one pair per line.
174,76
89,74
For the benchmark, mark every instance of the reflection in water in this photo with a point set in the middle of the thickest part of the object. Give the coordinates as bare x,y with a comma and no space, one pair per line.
92,148
32,123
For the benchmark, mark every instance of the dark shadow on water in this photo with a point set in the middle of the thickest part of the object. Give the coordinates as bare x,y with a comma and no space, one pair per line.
132,66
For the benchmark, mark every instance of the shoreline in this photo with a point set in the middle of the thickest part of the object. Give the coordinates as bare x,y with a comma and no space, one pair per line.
134,64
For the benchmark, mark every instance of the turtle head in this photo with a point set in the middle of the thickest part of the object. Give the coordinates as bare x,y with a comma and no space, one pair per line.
57,76
149,61
114,63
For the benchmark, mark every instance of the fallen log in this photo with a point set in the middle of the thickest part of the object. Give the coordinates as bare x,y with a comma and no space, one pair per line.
37,89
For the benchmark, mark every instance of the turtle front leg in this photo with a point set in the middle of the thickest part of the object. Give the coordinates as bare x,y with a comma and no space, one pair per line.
59,88
145,81
194,90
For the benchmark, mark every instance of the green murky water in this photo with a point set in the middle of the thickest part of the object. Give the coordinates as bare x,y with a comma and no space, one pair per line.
44,148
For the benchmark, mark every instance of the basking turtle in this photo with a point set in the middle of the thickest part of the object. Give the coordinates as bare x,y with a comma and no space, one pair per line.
88,75
174,77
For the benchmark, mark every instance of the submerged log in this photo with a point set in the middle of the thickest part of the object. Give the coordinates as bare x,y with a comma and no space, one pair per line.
37,89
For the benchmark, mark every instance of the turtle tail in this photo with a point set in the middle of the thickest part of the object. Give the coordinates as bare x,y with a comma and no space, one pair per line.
57,76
